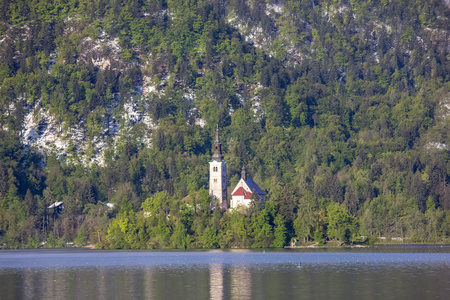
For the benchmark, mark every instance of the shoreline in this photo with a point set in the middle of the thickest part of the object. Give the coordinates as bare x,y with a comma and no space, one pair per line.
325,246
414,245
312,246
317,246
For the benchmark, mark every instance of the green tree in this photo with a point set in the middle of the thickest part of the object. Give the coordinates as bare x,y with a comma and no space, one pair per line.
305,221
280,232
339,222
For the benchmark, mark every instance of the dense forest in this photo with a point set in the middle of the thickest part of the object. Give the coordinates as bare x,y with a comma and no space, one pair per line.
339,110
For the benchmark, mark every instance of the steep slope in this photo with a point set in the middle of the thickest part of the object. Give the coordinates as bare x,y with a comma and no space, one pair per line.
330,105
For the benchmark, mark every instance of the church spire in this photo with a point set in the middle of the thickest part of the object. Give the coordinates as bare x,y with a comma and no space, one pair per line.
243,173
218,174
217,135
218,156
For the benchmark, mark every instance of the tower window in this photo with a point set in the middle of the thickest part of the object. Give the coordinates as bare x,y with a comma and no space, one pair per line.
215,179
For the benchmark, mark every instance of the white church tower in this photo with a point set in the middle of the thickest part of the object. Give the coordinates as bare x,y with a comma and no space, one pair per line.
218,174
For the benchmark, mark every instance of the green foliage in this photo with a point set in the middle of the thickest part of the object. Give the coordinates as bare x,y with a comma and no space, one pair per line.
339,222
305,220
336,118
179,238
280,232
82,238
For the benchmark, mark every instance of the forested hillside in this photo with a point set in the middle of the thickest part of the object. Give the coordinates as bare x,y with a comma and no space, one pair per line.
339,110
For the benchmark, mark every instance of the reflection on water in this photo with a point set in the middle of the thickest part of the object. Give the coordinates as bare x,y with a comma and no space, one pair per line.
241,283
216,281
421,273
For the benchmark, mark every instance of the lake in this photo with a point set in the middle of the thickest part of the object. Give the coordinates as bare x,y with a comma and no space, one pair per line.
357,273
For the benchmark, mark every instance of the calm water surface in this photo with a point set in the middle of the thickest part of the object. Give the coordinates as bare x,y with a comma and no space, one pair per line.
370,273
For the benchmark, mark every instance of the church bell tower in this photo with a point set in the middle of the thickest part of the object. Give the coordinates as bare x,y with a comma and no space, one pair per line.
218,174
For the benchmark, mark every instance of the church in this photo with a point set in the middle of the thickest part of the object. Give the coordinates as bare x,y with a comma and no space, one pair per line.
245,191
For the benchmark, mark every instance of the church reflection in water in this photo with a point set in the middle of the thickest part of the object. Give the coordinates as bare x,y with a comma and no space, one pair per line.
236,279
215,281
241,283
234,283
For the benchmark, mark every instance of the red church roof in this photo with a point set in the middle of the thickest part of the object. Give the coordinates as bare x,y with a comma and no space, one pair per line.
241,192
